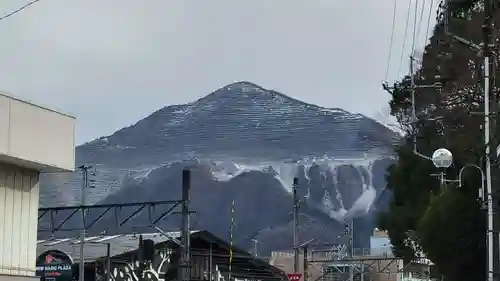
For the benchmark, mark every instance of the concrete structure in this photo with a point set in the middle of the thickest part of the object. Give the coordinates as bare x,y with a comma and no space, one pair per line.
33,139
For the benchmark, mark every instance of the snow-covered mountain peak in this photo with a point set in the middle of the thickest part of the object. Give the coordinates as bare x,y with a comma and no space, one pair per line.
245,144
247,96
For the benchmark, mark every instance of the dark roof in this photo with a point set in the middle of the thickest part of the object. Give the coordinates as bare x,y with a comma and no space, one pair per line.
243,265
95,246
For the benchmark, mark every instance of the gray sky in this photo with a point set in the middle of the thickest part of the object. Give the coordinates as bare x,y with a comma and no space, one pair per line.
113,62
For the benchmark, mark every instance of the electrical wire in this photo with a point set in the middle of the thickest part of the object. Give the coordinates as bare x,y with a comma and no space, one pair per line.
391,40
419,27
414,40
18,10
427,35
404,37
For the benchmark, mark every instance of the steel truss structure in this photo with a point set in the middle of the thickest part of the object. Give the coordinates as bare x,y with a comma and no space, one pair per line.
338,258
103,209
378,264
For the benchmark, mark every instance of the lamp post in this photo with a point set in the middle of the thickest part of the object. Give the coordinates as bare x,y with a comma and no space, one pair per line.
443,158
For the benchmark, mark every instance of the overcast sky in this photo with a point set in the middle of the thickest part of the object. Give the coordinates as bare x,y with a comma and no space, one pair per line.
113,62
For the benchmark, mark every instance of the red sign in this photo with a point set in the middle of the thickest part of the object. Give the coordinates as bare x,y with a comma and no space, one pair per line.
294,276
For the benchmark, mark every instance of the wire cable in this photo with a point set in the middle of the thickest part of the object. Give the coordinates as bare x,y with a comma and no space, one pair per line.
404,37
391,40
419,27
18,10
427,35
414,40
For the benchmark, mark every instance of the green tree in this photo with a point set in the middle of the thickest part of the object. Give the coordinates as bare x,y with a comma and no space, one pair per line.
446,222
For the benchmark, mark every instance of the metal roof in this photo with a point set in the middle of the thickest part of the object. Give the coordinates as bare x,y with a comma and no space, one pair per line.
244,264
95,246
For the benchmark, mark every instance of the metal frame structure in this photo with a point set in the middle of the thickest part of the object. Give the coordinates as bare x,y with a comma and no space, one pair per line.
105,209
185,261
359,264
367,261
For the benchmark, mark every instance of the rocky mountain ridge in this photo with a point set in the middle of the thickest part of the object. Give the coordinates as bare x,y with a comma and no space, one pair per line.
244,143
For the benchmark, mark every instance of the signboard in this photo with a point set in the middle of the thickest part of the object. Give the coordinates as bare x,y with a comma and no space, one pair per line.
294,276
55,265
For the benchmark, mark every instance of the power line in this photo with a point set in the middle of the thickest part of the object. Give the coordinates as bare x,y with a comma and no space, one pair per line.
404,37
18,10
391,40
428,23
419,27
414,40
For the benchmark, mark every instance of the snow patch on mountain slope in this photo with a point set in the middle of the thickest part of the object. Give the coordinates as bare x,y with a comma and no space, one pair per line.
384,117
285,172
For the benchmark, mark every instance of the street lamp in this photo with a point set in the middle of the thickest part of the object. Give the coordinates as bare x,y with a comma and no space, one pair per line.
443,158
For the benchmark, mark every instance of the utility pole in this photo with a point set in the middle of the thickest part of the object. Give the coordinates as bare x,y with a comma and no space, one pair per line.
185,264
306,262
490,109
83,200
350,247
140,269
488,125
295,226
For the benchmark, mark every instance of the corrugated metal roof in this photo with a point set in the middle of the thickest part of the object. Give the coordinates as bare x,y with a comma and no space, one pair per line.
95,246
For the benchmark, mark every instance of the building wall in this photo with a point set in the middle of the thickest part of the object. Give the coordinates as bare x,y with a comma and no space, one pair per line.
18,220
35,137
380,246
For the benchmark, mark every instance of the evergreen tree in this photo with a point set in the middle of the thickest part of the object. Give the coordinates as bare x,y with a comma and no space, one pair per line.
446,222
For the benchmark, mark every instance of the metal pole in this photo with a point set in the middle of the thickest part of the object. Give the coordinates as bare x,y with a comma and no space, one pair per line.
351,249
489,196
481,191
487,41
254,250
306,263
108,262
184,269
85,181
210,263
362,271
413,105
295,226
140,269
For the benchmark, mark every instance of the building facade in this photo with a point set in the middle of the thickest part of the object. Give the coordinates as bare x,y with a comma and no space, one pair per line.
33,139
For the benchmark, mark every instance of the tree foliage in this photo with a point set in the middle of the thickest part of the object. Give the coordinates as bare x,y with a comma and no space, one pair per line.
446,222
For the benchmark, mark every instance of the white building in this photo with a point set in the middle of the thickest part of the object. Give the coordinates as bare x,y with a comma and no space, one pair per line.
33,139
380,244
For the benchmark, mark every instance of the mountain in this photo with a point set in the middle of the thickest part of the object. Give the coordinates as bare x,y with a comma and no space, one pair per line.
243,143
